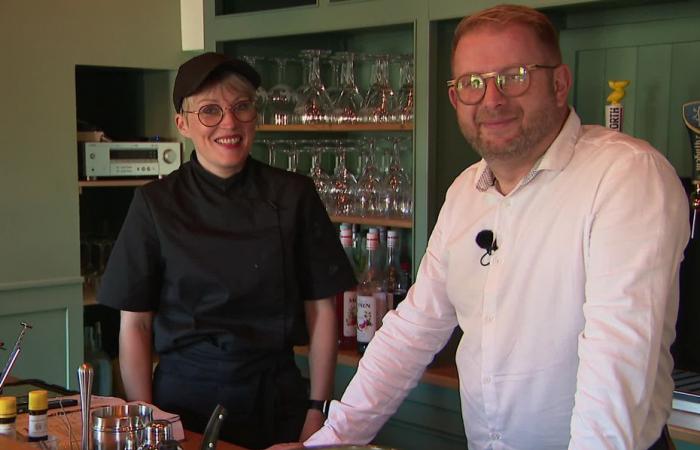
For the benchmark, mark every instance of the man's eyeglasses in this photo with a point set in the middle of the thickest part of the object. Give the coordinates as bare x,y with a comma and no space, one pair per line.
212,115
510,82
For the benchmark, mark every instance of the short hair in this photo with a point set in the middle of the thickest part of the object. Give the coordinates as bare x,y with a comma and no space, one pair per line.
501,15
226,77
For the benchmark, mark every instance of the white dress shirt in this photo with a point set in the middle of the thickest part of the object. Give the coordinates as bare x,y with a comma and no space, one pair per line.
567,331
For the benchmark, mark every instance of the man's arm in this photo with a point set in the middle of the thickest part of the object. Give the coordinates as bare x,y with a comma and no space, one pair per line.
635,242
397,355
323,338
135,355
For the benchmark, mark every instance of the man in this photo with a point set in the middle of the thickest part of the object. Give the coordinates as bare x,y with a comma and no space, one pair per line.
557,255
225,265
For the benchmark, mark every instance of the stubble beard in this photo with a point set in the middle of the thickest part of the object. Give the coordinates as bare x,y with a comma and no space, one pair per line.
542,123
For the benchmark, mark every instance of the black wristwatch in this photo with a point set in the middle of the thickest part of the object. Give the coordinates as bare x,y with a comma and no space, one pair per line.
321,405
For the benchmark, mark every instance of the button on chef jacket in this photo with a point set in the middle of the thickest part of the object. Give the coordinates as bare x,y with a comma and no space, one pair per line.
226,261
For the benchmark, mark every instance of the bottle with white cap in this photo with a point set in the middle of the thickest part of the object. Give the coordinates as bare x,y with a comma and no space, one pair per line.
346,302
371,295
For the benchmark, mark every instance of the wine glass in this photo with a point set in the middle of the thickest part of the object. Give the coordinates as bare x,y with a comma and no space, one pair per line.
260,93
397,190
281,99
367,201
347,107
344,183
404,104
333,87
380,100
313,105
321,179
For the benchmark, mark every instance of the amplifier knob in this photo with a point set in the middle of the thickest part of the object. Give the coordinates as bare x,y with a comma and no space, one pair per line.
169,155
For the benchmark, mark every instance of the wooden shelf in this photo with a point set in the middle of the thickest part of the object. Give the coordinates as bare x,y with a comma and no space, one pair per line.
114,183
330,127
376,221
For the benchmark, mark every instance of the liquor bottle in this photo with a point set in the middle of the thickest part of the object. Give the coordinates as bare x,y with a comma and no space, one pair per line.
381,250
395,288
8,416
346,302
371,295
38,407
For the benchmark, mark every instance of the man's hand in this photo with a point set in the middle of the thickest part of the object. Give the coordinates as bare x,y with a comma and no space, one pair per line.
314,422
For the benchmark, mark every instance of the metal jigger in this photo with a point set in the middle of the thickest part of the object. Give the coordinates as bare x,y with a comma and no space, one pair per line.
691,118
85,377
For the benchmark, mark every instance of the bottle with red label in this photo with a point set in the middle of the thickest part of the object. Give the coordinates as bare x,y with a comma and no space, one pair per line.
371,295
346,302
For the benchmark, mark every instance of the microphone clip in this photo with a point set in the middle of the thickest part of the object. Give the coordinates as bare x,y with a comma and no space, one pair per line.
486,240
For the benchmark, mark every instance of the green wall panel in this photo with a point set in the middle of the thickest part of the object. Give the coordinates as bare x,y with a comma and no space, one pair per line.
652,92
52,349
656,51
590,85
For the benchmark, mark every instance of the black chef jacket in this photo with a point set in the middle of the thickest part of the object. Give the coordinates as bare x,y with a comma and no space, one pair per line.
226,265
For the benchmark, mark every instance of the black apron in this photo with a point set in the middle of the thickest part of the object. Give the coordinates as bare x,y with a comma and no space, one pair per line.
234,352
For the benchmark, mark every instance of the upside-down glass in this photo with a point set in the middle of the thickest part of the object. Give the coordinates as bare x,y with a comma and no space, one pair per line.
511,82
404,104
368,197
313,105
260,93
281,99
321,179
344,183
349,103
380,101
397,189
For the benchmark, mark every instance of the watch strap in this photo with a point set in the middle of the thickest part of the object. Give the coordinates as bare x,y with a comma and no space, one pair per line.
321,405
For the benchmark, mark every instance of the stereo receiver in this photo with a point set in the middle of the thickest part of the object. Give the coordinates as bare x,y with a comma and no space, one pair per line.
128,159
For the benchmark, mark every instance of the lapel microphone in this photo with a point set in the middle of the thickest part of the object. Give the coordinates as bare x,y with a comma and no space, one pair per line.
486,240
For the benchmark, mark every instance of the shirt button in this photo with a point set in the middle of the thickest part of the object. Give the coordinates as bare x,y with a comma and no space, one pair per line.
487,380
495,436
489,319
256,266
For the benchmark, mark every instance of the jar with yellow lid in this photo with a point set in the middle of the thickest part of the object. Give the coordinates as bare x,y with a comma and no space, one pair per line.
8,416
38,420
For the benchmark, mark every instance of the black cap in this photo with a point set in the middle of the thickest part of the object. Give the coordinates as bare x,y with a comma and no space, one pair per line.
193,73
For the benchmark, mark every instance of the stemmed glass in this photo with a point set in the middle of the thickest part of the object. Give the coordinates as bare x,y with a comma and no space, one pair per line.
314,105
404,104
270,144
344,183
281,99
368,185
321,179
333,87
396,191
380,101
260,94
349,102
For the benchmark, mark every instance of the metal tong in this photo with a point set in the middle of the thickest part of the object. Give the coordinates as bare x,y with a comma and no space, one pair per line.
13,354
211,432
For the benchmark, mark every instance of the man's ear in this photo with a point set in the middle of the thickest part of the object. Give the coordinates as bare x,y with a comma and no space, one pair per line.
562,83
452,93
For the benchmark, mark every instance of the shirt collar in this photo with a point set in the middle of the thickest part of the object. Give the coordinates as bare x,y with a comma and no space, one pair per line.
224,184
555,158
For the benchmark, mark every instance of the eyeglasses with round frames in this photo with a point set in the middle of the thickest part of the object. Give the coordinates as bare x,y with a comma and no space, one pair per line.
511,82
212,115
